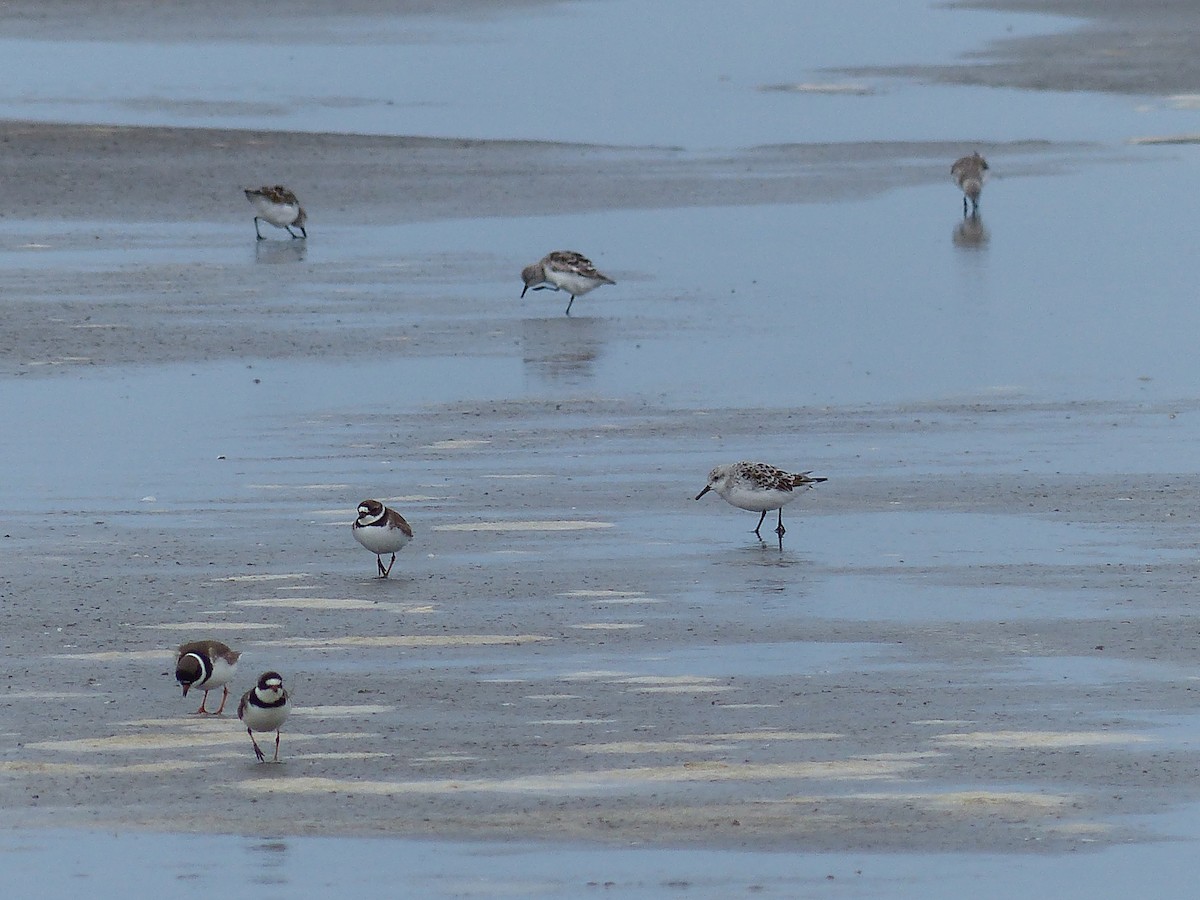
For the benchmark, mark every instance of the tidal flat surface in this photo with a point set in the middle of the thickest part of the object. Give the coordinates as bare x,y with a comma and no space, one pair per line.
976,642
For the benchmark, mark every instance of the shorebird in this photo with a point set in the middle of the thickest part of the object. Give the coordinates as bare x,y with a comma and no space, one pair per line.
968,173
758,487
265,708
206,665
381,530
278,206
563,270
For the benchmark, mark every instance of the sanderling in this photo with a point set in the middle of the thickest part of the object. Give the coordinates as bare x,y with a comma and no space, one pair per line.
968,173
759,488
278,206
381,530
563,270
206,665
265,708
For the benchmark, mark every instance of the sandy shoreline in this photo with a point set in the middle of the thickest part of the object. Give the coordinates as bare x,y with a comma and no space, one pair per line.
976,639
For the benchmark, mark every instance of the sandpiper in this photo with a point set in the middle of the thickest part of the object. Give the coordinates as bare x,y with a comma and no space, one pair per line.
968,173
563,270
278,206
758,487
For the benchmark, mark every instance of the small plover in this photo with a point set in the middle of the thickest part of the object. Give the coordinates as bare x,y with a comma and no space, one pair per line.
278,206
381,530
758,488
563,270
968,173
205,665
265,707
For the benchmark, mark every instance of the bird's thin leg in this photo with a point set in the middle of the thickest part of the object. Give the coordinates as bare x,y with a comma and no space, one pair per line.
258,233
224,697
303,232
276,745
569,302
779,529
388,571
379,562
257,750
759,525
202,711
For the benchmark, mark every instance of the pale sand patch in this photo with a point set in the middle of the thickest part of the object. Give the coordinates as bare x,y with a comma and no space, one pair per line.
852,89
605,779
229,626
609,626
691,688
326,712
140,742
263,577
461,444
654,747
594,675
51,695
363,755
323,603
602,594
769,736
408,640
971,801
18,767
560,525
571,721
110,655
668,679
1022,740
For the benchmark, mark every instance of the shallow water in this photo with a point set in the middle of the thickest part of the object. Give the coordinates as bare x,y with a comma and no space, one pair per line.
1080,289
552,73
60,864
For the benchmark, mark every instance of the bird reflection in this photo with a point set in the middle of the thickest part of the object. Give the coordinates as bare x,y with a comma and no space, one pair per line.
276,252
970,234
269,860
561,349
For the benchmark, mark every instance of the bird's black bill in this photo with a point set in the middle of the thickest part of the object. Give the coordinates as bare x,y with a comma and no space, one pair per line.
707,488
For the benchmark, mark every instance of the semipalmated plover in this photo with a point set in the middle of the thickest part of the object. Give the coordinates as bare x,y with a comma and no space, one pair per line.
381,530
205,665
265,707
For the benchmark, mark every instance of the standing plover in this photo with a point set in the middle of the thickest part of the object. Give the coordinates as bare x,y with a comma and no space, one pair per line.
265,708
206,665
563,270
278,206
758,488
381,530
968,173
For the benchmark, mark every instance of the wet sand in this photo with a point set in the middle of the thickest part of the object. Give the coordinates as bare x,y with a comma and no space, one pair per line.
976,637
1115,48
